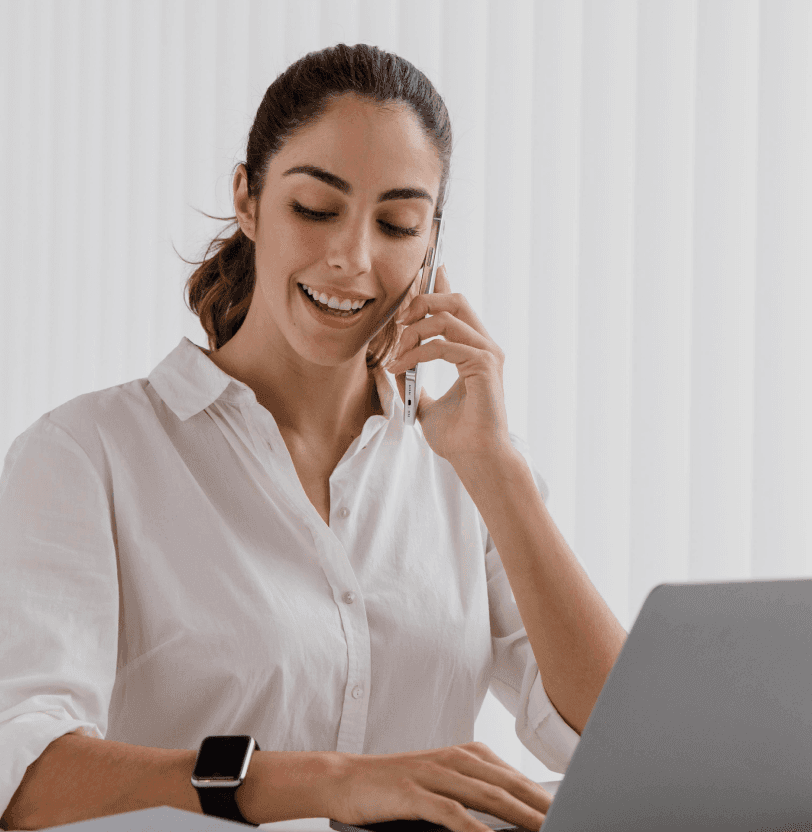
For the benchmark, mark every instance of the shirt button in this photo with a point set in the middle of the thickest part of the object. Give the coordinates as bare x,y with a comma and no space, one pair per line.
343,512
357,692
349,597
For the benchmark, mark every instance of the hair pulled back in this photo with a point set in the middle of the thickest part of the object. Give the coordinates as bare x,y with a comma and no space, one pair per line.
220,289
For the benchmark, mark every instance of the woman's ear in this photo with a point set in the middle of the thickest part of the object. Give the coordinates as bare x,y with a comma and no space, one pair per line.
244,206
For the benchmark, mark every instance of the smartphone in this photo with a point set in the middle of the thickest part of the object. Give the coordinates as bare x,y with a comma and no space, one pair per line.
432,261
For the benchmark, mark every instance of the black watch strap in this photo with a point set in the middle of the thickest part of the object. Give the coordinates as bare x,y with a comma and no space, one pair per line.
222,803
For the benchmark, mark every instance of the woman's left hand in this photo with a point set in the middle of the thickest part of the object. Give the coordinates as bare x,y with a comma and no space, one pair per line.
470,420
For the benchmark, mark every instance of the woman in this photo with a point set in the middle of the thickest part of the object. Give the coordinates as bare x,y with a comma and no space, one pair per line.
250,542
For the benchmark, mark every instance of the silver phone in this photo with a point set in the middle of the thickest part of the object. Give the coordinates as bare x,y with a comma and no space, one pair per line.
434,254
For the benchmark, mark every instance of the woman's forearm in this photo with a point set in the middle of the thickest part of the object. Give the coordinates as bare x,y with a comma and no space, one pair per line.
575,637
78,778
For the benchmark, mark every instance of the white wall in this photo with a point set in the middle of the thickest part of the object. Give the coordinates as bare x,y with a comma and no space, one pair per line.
630,216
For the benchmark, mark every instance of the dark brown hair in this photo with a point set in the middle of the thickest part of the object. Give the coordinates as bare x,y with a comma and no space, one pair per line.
220,289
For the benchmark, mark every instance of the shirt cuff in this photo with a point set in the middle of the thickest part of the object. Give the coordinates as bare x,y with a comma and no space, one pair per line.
543,730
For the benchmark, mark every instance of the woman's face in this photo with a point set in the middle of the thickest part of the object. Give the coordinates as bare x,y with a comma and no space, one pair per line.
358,251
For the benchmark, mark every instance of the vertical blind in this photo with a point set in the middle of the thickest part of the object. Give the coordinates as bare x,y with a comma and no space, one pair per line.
630,215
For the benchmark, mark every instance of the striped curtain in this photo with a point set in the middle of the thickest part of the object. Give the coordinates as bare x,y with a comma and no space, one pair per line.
630,215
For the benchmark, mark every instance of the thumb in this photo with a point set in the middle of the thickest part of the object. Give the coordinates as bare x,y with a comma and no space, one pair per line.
423,403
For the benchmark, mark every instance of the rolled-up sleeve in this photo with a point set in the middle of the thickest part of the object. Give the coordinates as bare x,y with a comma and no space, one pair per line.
59,599
516,681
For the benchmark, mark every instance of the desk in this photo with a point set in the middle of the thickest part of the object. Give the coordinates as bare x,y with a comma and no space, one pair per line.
323,824
168,819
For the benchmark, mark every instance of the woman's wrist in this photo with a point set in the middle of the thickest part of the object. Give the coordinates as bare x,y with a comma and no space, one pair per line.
285,785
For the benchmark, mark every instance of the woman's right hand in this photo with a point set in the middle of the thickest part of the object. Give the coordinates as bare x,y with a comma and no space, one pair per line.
438,785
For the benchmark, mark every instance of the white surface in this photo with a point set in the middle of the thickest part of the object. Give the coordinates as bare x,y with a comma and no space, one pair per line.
323,824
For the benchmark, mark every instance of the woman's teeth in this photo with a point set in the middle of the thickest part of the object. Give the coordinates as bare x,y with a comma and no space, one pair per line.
334,302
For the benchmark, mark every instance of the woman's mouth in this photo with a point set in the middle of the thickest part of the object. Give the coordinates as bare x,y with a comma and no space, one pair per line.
327,313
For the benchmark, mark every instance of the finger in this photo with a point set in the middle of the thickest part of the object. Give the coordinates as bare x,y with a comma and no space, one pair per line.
468,360
441,282
494,792
513,781
445,324
441,286
484,751
455,303
444,811
403,303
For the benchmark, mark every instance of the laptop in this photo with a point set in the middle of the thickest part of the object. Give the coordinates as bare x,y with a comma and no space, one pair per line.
704,723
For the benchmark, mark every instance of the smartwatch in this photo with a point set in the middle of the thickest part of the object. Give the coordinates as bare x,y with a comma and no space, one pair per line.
221,767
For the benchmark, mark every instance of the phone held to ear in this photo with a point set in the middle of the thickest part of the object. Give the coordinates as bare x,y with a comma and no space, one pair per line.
433,259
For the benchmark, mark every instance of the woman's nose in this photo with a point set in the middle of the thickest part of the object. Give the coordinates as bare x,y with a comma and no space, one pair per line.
350,247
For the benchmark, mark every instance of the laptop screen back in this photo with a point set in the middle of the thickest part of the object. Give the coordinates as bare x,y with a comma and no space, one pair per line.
705,720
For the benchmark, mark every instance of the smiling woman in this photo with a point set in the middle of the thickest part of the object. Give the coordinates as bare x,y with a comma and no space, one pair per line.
347,162
221,288
227,549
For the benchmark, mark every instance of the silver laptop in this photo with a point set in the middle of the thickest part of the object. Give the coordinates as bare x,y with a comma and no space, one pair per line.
704,723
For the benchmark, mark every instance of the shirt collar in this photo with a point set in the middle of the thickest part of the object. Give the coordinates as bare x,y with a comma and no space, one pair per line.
189,381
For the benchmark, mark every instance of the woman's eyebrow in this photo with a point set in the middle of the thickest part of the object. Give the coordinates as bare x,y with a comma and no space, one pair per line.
345,187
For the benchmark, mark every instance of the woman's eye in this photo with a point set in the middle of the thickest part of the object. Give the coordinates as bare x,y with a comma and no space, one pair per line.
321,216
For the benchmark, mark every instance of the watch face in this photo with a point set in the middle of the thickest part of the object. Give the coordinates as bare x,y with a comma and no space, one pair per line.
222,758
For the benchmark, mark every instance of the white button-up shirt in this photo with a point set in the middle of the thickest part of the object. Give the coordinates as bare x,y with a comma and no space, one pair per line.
164,576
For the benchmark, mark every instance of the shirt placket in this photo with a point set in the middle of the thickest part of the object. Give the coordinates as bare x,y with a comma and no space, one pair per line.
346,593
349,599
